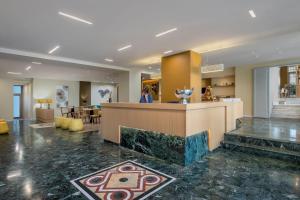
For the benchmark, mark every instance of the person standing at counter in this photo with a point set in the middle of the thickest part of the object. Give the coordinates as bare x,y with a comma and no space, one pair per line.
146,96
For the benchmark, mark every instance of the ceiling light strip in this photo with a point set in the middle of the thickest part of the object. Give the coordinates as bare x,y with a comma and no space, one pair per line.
169,51
109,60
166,32
14,73
125,47
252,13
36,63
54,49
75,18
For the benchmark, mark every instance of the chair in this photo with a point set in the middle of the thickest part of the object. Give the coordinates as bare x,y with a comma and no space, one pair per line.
83,114
65,112
4,127
96,116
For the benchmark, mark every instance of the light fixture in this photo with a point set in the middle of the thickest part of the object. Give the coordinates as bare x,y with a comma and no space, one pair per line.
251,12
14,73
36,63
212,68
75,18
166,32
54,49
28,68
109,60
125,47
169,51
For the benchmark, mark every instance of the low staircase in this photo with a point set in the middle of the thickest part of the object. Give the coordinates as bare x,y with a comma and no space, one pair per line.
283,150
286,111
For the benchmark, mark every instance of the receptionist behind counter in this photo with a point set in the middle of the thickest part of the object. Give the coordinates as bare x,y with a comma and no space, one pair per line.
146,96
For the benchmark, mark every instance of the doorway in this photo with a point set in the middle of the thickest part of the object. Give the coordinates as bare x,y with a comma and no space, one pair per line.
17,101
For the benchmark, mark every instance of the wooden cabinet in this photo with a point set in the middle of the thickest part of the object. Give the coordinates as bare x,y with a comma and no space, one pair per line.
44,115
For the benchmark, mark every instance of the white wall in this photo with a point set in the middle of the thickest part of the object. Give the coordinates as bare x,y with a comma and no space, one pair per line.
43,88
96,99
122,79
274,86
135,84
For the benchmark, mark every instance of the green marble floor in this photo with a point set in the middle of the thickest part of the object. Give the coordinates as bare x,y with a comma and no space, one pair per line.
39,164
277,129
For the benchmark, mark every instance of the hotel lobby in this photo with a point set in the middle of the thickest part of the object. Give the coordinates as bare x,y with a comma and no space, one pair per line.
119,100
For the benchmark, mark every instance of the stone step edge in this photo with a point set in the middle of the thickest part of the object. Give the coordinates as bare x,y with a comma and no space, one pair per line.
274,150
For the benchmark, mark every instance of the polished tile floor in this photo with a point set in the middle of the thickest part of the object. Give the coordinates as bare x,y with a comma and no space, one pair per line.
277,129
39,164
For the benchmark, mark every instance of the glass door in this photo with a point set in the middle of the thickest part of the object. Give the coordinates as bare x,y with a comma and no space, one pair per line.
17,101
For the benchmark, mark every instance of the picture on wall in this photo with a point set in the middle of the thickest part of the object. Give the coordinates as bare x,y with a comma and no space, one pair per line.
62,96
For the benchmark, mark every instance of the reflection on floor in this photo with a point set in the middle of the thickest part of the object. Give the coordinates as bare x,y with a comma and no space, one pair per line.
277,129
40,163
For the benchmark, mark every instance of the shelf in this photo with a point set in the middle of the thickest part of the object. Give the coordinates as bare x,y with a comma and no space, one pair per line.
222,86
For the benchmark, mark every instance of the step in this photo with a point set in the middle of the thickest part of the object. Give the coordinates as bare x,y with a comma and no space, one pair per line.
275,153
264,142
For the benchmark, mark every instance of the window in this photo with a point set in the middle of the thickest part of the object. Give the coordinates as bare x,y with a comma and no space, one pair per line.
17,100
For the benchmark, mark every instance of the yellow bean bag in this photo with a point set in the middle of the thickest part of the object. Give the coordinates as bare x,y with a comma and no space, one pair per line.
76,125
4,128
66,123
58,121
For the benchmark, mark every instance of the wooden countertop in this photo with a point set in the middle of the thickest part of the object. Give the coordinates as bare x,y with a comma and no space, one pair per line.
168,106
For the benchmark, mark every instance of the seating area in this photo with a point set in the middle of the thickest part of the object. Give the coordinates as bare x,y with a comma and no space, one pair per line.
70,124
88,114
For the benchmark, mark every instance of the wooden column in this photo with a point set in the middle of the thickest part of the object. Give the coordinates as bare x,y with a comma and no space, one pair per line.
181,71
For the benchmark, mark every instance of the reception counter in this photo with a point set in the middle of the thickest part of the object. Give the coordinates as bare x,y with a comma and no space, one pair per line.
183,133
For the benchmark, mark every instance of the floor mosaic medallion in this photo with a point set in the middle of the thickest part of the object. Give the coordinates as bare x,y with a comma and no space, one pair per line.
125,181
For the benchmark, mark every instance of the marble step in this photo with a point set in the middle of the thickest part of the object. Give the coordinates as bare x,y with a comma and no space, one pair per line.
286,111
275,153
263,142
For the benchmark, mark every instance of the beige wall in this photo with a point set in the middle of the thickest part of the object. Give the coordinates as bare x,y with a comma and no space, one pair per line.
6,99
43,88
244,87
244,81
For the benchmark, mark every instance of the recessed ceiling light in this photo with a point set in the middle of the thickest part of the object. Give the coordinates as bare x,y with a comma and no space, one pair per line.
251,12
125,47
109,60
54,49
37,63
14,73
28,68
166,32
166,52
75,18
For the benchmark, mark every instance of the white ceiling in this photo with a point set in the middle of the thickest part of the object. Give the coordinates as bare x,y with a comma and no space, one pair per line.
53,70
203,25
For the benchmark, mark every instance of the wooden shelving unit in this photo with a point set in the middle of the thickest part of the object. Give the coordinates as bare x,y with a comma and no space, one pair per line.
223,84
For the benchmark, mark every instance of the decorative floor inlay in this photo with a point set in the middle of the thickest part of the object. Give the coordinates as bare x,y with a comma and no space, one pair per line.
125,181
